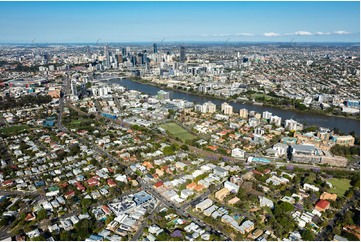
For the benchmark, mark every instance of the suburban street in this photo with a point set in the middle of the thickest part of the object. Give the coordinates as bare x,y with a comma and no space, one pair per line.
323,233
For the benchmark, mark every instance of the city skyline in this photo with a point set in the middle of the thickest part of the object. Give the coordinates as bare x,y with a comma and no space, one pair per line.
79,22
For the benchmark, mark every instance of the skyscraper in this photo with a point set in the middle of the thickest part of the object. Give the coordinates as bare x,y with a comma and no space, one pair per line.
88,53
119,58
182,54
107,57
124,51
155,48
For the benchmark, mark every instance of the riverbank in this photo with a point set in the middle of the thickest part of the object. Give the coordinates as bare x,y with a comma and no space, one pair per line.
311,111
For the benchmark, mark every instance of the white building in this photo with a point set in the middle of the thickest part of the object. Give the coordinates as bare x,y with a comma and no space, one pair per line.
291,124
276,120
243,113
281,149
307,186
238,153
208,107
265,202
266,115
231,186
253,122
204,204
227,109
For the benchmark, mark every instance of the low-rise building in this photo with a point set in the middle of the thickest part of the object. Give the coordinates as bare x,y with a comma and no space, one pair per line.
234,188
204,204
221,194
322,205
265,202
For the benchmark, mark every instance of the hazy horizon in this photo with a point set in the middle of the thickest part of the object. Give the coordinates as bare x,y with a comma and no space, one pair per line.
80,22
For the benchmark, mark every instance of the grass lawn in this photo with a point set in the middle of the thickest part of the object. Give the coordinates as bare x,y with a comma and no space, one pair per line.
340,186
178,131
75,122
258,95
13,129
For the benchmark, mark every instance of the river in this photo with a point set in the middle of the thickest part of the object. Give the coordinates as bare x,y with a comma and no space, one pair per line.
344,124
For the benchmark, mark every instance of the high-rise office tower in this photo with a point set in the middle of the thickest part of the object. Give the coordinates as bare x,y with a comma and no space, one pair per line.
124,51
107,57
182,54
119,58
88,53
155,48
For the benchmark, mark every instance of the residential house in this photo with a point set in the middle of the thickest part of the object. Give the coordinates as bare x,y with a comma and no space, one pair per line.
204,204
231,187
328,196
322,205
220,171
233,201
221,194
307,186
265,202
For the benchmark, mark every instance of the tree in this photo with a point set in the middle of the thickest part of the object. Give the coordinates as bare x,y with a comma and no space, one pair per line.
4,221
307,235
64,236
86,202
88,85
336,230
39,238
168,150
74,149
42,214
348,218
83,229
282,208
184,147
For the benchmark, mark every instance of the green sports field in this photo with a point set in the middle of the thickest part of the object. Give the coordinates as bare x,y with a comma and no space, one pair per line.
178,131
340,186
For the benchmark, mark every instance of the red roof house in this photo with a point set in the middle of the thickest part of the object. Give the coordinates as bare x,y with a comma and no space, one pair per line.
69,194
79,186
93,182
111,183
257,172
8,183
158,185
322,205
105,209
30,217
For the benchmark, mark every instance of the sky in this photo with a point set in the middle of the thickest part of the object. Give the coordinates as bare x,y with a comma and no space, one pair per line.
72,22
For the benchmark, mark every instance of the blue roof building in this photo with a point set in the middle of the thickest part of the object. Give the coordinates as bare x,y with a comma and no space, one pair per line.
142,197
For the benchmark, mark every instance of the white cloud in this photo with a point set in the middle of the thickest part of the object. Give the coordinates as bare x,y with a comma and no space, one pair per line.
271,34
303,33
244,34
322,33
220,35
341,32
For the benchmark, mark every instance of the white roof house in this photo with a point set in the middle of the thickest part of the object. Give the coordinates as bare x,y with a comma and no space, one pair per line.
231,186
265,202
204,204
307,186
